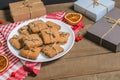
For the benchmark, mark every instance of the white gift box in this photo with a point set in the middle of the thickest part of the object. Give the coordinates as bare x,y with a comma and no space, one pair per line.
94,12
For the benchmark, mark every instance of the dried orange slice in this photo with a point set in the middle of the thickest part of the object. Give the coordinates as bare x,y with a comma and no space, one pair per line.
0,44
3,63
73,18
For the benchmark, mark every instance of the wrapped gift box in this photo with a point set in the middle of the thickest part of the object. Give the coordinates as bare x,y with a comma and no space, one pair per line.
4,4
22,10
94,12
103,33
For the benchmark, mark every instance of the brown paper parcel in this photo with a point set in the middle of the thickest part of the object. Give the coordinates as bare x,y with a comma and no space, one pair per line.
20,12
112,39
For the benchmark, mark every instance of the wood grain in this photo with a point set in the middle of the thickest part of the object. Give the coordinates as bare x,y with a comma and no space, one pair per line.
85,61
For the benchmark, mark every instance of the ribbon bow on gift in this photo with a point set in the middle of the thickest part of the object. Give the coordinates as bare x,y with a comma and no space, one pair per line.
97,3
114,22
31,38
51,35
26,3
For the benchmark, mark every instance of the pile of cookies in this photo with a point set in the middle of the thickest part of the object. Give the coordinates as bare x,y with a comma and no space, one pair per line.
39,36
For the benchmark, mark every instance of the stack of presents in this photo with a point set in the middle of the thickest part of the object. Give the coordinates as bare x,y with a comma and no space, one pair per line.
106,16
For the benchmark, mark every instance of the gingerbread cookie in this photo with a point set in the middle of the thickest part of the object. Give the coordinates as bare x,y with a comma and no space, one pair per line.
16,41
37,26
53,26
32,40
63,37
52,50
31,53
49,36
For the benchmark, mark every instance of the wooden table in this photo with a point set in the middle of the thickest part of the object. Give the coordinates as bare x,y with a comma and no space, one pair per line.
85,61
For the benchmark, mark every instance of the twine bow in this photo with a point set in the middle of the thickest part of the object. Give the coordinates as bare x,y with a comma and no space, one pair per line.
27,4
37,24
97,3
23,28
51,34
110,20
32,39
15,37
52,46
114,22
31,50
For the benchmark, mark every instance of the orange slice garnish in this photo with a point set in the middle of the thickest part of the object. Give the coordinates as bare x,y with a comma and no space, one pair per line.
0,44
3,63
73,18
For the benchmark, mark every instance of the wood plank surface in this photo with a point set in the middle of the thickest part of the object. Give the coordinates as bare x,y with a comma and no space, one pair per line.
85,61
101,76
79,66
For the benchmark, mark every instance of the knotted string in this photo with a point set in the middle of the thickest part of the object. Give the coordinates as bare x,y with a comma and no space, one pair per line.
29,5
51,34
53,47
31,38
23,30
28,54
15,37
114,22
96,3
37,24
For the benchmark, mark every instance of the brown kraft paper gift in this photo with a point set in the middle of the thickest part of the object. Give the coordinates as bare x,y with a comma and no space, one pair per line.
106,32
22,10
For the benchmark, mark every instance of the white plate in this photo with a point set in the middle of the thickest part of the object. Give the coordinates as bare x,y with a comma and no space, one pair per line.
42,57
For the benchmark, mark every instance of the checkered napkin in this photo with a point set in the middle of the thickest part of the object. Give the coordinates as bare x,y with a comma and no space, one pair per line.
19,69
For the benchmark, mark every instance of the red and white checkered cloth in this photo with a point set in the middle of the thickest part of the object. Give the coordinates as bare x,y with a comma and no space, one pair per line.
19,68
15,65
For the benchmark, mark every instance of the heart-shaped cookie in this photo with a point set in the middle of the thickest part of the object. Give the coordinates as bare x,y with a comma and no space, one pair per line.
73,18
